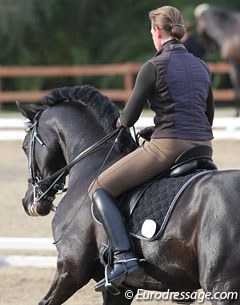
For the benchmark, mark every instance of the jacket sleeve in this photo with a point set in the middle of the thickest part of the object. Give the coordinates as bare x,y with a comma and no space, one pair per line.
144,86
210,107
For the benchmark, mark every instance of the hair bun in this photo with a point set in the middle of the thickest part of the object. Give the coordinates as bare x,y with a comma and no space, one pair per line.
178,30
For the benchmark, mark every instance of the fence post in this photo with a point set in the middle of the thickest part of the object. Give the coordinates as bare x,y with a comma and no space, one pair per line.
0,94
128,80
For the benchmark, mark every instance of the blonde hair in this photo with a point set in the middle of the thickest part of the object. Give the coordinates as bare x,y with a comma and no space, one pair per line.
169,19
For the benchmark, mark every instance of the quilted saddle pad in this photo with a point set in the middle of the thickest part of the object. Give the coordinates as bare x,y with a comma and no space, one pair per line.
154,201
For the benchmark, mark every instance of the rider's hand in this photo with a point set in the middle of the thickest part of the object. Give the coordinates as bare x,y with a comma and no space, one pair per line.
118,124
146,133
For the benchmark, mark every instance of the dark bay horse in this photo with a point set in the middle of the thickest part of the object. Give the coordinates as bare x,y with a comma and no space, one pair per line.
201,244
223,27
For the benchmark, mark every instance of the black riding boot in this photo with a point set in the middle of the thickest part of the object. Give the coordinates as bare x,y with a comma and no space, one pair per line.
125,260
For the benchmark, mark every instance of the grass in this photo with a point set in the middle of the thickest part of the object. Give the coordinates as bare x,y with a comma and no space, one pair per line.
10,114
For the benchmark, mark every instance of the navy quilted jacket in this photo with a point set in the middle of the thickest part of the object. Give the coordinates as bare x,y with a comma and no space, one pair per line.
177,86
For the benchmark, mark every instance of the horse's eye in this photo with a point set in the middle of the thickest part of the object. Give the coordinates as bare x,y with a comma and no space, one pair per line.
25,147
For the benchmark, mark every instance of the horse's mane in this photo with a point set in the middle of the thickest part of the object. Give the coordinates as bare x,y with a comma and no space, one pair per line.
100,105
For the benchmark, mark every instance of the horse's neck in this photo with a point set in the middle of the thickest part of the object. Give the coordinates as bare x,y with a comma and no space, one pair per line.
75,140
77,136
74,146
223,30
217,35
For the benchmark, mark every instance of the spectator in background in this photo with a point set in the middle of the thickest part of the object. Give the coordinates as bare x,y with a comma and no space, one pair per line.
192,43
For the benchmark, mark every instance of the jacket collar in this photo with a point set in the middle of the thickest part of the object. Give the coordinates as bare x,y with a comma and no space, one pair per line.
170,45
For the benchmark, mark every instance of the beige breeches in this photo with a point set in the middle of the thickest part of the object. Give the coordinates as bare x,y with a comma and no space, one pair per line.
141,165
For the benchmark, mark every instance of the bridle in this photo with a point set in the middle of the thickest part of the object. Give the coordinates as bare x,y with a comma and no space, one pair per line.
46,188
43,188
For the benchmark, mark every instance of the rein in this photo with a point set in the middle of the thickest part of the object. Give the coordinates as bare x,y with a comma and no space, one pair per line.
80,157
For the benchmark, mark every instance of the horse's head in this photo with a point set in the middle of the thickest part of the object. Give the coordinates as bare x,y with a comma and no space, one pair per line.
63,124
220,26
44,159
203,17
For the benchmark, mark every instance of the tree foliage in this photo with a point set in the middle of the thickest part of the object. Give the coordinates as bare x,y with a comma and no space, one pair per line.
69,32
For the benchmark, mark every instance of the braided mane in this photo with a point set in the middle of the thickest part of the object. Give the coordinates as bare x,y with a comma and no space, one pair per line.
100,105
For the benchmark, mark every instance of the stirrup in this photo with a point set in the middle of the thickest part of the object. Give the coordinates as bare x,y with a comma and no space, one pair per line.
109,286
112,289
112,285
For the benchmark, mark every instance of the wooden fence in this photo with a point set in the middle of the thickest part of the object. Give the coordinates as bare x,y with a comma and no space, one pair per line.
128,71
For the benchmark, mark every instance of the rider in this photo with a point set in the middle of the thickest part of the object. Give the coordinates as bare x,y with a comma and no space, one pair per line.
177,86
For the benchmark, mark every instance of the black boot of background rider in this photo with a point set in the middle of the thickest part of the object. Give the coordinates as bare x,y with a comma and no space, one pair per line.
125,261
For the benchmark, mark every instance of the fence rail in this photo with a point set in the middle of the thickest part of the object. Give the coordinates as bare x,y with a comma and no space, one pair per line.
127,70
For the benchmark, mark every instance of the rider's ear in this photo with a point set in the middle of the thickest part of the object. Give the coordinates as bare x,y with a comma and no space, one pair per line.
159,32
26,111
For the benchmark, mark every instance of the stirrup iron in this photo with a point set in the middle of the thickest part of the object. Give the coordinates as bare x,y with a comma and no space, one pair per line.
109,286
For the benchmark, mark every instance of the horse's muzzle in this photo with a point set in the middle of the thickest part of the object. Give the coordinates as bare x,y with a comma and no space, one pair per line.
42,208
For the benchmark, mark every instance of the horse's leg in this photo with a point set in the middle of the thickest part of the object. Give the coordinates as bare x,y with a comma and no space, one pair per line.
124,298
224,285
66,282
235,79
225,296
50,291
217,236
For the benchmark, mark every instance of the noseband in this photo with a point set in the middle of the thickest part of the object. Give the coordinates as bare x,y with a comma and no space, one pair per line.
46,188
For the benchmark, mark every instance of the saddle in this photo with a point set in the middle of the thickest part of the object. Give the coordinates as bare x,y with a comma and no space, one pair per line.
150,205
195,158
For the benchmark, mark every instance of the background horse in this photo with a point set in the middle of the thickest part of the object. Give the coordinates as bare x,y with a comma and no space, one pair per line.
200,246
223,27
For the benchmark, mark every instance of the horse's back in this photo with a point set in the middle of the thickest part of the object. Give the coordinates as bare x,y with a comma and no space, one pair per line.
202,236
209,209
207,221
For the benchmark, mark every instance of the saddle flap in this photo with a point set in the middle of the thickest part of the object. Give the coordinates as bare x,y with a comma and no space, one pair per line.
152,212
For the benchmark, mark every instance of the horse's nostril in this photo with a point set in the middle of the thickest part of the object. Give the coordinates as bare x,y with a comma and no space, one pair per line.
42,208
25,206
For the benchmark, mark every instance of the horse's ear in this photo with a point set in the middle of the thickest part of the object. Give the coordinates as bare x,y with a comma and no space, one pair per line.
26,111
